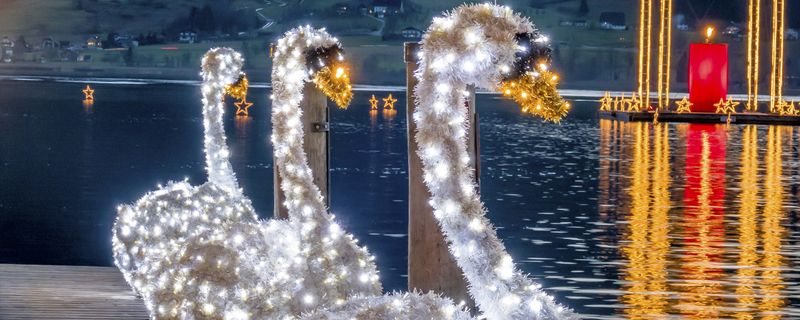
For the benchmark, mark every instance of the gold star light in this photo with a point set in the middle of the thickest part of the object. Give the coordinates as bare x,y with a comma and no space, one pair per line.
373,102
388,102
605,102
786,108
726,106
634,104
243,107
684,105
88,93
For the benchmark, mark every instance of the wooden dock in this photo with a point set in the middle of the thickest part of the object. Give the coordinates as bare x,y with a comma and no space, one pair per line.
738,118
66,292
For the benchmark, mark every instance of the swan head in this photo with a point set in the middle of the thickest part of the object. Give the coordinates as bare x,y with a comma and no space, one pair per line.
223,67
530,82
331,73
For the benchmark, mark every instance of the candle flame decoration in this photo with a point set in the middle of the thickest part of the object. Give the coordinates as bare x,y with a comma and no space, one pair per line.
531,84
709,34
333,75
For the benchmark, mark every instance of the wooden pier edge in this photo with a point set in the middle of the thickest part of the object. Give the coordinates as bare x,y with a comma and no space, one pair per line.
316,143
431,267
66,292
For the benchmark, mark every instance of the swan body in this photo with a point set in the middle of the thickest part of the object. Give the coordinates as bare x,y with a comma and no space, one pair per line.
200,252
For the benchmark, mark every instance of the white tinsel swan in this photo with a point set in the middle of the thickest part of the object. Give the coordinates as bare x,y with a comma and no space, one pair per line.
480,45
472,45
199,252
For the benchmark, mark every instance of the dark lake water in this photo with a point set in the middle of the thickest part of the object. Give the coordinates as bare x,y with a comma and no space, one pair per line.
618,220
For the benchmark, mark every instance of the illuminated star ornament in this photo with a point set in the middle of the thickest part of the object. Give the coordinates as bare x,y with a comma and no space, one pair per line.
605,102
726,106
373,102
684,106
634,104
388,102
88,93
242,107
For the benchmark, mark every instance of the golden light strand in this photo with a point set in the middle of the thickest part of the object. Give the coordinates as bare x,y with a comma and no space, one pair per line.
645,47
748,238
778,29
772,283
753,53
664,54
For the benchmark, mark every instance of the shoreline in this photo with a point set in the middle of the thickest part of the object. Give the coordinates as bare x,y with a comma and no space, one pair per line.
571,91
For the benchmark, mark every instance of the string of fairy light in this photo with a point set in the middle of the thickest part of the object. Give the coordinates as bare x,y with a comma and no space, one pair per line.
776,78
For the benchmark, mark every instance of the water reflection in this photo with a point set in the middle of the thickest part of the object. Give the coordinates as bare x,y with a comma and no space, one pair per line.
722,253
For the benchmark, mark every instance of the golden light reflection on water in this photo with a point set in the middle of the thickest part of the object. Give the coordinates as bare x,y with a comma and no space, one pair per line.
714,249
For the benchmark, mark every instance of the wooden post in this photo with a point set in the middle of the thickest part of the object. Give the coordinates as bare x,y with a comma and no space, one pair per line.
316,143
431,267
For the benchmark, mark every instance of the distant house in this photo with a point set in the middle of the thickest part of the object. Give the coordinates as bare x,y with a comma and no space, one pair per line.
574,23
187,37
342,9
94,42
411,33
383,8
613,21
49,43
6,49
126,41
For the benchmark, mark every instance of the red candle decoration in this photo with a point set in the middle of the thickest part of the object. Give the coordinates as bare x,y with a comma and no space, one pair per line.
708,75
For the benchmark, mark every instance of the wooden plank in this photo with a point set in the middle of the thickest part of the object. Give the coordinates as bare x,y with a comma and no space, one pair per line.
431,267
66,292
316,143
738,118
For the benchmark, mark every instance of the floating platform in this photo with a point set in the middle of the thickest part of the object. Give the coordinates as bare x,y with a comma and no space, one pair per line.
66,292
700,117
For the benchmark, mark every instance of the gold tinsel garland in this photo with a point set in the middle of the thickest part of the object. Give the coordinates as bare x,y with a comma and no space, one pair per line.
536,94
238,89
335,84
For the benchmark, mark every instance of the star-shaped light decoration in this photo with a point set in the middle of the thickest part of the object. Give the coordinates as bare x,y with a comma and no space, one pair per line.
634,104
373,102
726,106
243,107
388,102
786,108
88,93
684,106
605,102
617,104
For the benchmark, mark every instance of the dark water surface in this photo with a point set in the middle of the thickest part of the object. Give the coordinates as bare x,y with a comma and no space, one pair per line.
616,219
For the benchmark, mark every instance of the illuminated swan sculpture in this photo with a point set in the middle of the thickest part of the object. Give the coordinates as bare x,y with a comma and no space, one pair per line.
200,252
491,47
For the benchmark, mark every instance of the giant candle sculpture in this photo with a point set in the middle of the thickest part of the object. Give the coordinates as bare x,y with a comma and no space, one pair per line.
708,74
